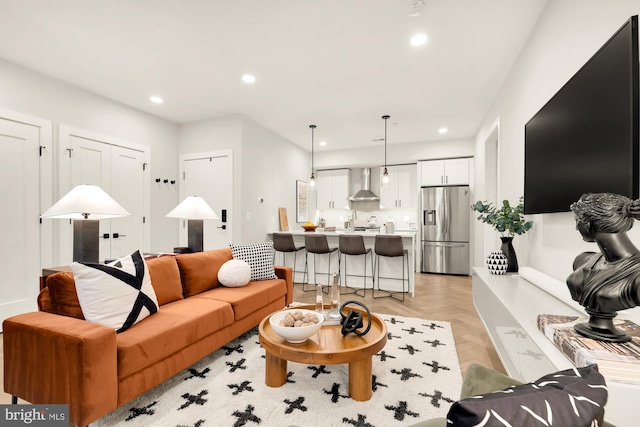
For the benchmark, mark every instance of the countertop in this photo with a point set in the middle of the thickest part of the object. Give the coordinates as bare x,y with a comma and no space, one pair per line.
338,232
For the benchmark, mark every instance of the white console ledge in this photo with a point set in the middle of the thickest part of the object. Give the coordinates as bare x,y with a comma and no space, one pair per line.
509,306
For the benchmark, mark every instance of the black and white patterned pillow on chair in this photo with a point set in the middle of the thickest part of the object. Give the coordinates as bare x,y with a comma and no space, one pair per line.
573,397
259,256
117,295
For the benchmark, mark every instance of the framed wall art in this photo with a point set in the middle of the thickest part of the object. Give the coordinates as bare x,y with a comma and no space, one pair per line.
302,201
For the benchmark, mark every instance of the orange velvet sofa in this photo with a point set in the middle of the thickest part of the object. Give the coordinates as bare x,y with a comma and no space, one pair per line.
55,356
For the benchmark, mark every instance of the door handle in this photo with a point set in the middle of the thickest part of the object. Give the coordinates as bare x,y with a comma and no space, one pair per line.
118,235
223,226
105,236
445,245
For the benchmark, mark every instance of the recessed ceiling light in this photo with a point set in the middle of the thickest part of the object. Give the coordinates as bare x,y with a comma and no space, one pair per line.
156,100
323,143
419,39
443,130
415,7
248,78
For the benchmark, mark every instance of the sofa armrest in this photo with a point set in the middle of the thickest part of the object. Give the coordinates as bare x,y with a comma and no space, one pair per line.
51,359
286,273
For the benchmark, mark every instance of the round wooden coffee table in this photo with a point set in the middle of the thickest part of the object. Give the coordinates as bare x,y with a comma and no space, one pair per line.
327,347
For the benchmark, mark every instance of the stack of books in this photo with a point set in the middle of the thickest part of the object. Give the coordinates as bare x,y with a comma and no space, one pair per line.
616,361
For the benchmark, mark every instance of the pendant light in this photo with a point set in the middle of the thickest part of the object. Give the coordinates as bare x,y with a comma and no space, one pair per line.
385,174
312,181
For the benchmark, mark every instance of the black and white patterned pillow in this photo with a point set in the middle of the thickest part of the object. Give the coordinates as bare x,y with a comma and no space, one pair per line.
574,397
117,295
259,256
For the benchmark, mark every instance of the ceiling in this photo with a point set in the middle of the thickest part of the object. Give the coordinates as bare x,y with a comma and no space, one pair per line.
339,64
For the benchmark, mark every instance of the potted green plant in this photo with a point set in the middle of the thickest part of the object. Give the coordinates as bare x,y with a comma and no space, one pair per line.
508,221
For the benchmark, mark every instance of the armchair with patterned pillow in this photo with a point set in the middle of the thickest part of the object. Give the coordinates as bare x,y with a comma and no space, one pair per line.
575,397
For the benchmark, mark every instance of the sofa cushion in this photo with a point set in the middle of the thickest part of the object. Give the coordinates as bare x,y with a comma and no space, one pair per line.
117,295
174,327
62,292
574,397
260,258
234,273
199,271
248,299
165,278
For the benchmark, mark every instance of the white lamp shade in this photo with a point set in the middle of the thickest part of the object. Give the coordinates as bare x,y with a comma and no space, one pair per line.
193,207
85,202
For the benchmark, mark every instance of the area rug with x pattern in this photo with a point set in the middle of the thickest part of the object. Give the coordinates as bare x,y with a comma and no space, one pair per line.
416,376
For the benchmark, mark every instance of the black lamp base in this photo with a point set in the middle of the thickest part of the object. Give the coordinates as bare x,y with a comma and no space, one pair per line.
86,243
195,231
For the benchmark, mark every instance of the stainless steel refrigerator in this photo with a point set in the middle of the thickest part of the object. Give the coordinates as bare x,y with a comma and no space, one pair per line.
445,229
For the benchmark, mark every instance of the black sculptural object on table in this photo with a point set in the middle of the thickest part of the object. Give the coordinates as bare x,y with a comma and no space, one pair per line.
607,282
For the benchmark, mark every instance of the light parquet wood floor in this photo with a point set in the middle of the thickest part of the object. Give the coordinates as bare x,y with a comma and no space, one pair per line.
438,297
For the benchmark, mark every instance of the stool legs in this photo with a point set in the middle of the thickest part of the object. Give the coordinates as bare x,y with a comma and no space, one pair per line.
364,275
391,294
284,262
325,288
305,273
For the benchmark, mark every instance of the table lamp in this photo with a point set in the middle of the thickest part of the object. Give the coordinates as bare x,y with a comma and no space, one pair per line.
195,210
86,205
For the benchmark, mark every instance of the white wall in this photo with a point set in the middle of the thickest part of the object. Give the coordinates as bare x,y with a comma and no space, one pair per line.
567,34
35,94
272,164
266,166
222,133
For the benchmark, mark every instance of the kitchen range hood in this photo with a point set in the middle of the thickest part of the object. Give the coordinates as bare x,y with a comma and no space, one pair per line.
365,194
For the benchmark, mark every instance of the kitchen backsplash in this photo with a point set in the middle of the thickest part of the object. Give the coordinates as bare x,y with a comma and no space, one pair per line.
403,218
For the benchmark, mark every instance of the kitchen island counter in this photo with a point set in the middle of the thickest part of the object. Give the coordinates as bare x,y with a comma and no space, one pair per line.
337,232
388,267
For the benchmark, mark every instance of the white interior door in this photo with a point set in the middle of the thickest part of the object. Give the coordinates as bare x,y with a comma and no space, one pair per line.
127,178
90,164
210,177
20,243
120,171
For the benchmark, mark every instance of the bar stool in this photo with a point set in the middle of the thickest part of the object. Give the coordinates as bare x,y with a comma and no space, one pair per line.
353,245
391,246
283,242
317,244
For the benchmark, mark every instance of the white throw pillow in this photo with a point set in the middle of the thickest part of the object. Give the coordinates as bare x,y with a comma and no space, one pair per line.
234,273
117,295
260,258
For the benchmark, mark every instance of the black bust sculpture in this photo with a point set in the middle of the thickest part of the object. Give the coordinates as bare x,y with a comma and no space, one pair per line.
606,282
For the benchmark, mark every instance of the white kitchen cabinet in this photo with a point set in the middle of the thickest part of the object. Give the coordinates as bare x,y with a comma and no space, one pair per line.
401,192
332,189
444,172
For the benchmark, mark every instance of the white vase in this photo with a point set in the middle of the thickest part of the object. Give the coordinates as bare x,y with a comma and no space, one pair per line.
497,263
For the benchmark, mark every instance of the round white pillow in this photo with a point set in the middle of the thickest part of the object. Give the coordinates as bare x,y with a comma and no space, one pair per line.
234,273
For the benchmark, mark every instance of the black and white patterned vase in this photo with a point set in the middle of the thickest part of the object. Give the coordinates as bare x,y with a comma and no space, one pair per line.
497,263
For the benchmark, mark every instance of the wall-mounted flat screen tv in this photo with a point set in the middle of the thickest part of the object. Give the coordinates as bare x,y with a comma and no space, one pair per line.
585,138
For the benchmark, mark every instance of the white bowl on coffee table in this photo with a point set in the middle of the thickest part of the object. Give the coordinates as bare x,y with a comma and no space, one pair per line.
295,334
